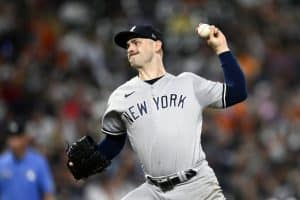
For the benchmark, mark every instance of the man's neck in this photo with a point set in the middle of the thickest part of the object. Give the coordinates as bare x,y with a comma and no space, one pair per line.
152,70
19,154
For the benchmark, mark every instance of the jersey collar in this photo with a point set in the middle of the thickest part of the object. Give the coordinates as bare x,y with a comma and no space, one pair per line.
165,77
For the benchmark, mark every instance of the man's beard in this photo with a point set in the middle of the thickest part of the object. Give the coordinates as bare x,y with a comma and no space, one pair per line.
135,65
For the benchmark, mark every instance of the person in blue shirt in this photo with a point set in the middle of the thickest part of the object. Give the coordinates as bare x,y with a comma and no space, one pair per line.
24,173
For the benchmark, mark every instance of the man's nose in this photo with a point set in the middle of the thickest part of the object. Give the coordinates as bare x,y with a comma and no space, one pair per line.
130,48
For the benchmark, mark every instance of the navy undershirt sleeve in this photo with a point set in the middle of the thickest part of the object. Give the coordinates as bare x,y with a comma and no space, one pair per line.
235,90
111,146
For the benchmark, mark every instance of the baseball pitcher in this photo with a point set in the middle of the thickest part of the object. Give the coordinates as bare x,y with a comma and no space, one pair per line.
161,115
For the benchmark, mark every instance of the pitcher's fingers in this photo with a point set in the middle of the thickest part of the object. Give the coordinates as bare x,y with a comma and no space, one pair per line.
212,28
215,31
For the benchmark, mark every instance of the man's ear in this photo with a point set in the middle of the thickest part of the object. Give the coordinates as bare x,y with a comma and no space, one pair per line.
158,45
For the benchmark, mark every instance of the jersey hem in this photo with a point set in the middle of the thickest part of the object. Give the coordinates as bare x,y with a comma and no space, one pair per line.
113,133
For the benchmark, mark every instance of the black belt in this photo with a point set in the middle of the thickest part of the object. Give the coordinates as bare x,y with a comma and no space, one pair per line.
168,183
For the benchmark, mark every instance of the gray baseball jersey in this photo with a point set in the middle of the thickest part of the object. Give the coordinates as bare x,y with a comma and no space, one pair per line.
163,120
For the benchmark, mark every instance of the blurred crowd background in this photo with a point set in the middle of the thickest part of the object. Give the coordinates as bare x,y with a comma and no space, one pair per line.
58,65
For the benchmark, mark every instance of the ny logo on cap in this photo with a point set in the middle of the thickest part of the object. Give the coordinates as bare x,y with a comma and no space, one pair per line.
132,29
153,36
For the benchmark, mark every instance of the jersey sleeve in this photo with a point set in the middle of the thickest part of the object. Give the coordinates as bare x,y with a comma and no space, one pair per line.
46,183
112,122
208,93
1,179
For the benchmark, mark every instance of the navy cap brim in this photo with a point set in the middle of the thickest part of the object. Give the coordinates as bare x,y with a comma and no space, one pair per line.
123,37
20,134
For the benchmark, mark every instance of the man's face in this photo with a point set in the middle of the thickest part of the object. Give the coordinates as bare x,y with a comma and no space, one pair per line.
17,142
140,51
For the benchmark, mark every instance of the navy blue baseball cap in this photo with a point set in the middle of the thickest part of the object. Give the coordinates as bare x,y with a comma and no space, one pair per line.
137,31
14,128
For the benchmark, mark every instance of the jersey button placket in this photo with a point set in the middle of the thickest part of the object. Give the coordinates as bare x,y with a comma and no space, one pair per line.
152,90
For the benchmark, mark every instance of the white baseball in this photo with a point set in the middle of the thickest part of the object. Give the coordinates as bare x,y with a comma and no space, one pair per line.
204,30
